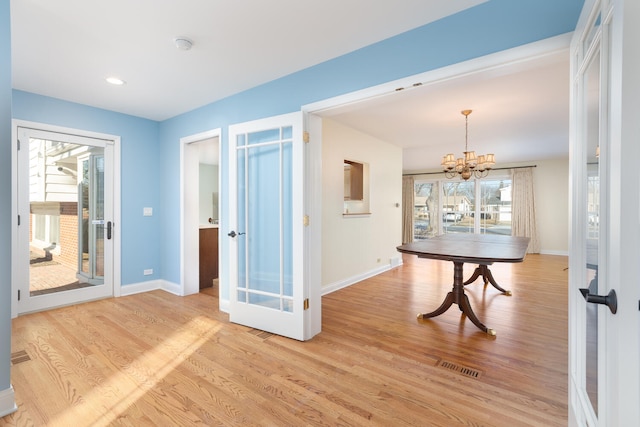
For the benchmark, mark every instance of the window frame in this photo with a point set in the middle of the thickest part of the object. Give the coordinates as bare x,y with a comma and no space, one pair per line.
477,205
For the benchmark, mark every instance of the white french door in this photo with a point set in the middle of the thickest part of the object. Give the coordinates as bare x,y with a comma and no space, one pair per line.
604,321
266,225
64,246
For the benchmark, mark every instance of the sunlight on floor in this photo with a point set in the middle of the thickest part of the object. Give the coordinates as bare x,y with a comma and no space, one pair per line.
105,403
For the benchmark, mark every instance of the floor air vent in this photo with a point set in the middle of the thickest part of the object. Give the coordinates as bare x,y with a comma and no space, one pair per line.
468,372
19,357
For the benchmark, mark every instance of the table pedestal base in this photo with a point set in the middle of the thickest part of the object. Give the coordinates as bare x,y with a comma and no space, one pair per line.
457,296
487,277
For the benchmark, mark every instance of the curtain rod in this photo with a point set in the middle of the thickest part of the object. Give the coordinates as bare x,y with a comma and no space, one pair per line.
495,169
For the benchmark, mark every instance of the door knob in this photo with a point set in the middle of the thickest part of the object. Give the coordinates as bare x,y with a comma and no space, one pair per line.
610,300
234,234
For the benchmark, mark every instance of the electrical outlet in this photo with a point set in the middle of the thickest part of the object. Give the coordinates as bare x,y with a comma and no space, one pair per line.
148,272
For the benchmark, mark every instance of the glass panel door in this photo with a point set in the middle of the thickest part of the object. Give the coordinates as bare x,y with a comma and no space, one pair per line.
266,225
91,222
63,180
592,197
458,204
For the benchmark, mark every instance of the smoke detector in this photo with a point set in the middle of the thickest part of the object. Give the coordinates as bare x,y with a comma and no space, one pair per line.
183,43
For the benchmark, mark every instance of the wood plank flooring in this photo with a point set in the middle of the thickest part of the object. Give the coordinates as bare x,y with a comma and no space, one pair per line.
156,359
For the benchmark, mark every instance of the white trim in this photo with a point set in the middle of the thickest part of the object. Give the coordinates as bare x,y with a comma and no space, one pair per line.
336,286
537,51
189,254
560,253
172,288
152,285
15,124
138,288
224,305
313,232
7,402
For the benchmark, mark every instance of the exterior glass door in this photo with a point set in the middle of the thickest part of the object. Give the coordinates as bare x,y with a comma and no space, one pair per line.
65,209
91,221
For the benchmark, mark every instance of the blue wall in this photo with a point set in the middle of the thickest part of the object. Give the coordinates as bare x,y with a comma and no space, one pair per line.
488,28
5,195
140,173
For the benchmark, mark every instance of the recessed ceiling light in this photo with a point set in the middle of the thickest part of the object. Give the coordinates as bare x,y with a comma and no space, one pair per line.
115,81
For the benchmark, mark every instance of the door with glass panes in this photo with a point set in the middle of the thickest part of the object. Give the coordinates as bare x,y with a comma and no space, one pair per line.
64,250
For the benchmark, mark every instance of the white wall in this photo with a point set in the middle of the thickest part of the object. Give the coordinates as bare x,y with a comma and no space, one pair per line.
208,187
551,181
356,247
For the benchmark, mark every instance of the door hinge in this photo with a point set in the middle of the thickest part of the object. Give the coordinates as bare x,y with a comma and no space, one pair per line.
305,136
18,145
305,220
18,219
18,294
306,304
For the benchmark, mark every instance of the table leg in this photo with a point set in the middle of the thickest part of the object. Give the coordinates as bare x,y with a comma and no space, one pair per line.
487,277
457,296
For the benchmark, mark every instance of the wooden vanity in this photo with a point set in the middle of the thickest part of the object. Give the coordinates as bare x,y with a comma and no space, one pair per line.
208,255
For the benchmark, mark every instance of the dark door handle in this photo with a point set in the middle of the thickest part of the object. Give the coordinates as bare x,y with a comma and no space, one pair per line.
234,234
610,300
108,230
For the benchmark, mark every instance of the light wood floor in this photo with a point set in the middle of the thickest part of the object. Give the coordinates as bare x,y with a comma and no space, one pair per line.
160,360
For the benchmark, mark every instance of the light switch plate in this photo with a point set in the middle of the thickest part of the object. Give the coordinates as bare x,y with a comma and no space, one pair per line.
147,211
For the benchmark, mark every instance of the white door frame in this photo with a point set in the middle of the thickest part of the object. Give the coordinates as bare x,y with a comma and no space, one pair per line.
618,334
189,222
15,124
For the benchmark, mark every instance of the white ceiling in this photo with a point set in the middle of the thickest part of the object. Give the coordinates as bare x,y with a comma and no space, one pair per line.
520,113
66,48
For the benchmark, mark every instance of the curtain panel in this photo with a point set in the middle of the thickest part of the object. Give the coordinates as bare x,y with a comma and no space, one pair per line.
523,222
408,201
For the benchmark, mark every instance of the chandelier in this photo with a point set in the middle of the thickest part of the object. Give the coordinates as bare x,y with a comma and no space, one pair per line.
469,165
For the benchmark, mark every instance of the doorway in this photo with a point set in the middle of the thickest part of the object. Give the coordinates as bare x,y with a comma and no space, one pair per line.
64,245
200,212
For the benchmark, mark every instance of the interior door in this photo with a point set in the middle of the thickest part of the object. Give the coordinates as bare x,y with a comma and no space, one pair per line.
266,176
604,324
65,234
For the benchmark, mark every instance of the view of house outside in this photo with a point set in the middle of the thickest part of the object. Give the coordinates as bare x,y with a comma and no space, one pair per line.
476,206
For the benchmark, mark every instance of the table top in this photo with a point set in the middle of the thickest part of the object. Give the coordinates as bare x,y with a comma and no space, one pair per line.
474,248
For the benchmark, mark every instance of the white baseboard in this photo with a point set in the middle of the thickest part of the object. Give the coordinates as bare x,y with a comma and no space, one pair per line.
224,305
354,279
137,288
7,402
151,285
171,287
562,253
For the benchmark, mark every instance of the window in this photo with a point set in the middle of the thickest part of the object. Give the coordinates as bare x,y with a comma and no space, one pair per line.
458,206
480,206
495,207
